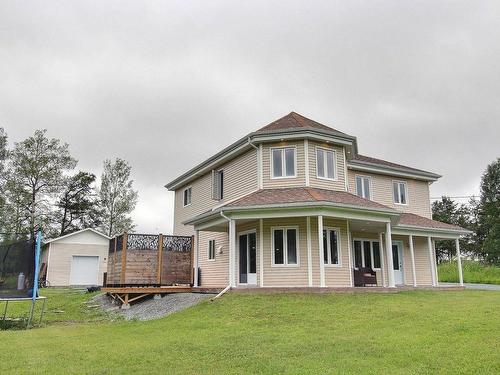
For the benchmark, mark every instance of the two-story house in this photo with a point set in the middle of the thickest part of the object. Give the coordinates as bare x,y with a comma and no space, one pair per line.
294,204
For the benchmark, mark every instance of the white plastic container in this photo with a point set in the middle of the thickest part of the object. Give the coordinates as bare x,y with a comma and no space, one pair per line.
20,281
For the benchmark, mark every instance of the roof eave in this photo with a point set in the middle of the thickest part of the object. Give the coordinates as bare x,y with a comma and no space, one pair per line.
259,136
460,231
398,172
295,205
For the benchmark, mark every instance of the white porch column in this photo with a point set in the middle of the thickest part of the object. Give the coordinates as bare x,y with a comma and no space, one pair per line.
431,260
434,255
309,251
232,252
320,247
196,258
382,262
412,254
261,252
388,250
349,243
459,262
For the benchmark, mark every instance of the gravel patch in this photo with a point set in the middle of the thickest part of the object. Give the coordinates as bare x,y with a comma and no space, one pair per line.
151,308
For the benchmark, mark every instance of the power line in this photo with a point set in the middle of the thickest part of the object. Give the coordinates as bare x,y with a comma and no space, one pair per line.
457,197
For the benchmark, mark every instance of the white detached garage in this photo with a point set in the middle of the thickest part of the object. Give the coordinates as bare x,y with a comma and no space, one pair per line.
78,258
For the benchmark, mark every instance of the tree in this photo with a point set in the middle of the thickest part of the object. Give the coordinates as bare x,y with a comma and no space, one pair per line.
118,198
35,176
3,157
448,211
78,204
488,214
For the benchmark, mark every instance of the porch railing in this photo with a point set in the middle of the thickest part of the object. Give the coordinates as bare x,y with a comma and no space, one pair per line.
150,260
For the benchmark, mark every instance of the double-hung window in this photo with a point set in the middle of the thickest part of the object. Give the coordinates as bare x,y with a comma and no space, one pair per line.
186,197
218,184
211,250
285,246
363,187
283,162
325,163
400,192
366,254
331,247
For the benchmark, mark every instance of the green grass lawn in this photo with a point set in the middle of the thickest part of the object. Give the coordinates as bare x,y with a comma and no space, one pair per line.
452,332
64,306
473,272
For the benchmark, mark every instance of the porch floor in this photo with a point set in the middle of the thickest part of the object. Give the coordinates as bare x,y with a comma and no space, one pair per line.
319,290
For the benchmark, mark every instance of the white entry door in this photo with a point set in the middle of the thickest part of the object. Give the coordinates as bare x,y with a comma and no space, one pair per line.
397,260
84,270
248,258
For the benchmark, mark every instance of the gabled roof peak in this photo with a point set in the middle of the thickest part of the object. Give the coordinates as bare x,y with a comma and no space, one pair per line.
295,120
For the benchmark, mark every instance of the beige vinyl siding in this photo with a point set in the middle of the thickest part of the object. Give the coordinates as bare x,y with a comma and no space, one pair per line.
214,273
61,257
269,182
334,276
240,178
381,192
422,263
314,181
285,275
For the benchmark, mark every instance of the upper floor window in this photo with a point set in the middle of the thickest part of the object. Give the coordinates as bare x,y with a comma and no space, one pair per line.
186,197
331,247
400,192
211,250
325,163
283,162
218,184
363,187
285,246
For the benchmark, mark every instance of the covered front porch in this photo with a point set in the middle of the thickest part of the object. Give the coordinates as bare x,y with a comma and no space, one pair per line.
317,239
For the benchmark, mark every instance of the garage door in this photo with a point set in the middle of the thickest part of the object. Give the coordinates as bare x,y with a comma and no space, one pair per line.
84,270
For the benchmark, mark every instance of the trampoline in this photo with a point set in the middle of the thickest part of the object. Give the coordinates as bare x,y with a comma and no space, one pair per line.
19,273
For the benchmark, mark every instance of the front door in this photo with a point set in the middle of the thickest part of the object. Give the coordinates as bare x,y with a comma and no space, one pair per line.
248,258
397,261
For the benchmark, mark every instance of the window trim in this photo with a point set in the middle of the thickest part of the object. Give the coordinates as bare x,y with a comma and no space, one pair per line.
405,183
285,247
283,163
335,173
369,185
339,248
215,175
190,196
208,251
363,264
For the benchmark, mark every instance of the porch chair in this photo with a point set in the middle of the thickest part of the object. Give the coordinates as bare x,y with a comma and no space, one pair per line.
365,276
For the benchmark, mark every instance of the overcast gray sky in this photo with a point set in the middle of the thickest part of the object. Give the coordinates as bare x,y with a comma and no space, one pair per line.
165,84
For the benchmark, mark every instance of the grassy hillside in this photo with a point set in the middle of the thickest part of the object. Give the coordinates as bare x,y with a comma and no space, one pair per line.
406,333
474,272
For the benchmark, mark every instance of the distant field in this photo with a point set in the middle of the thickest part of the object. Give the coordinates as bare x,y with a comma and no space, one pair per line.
414,332
474,272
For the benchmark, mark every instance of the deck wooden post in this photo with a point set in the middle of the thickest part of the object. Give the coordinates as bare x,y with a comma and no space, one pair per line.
192,260
431,260
124,258
160,250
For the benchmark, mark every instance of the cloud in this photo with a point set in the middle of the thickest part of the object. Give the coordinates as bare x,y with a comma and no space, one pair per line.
166,84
